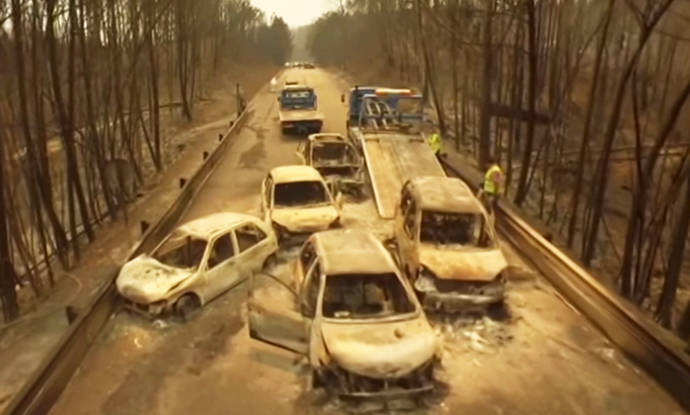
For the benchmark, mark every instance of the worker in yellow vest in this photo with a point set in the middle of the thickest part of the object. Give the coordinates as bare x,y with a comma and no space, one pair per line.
493,184
435,143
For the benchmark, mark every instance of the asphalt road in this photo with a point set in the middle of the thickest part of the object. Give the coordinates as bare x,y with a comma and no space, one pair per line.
541,358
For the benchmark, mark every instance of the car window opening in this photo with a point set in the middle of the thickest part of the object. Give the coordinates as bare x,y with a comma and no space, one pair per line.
222,251
300,94
300,194
332,153
248,236
466,229
365,296
181,251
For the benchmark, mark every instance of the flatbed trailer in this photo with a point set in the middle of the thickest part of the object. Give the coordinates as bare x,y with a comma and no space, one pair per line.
392,158
394,149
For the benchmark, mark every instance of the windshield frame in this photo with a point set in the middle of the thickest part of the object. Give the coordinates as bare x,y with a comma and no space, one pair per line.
327,202
182,236
349,149
412,298
286,94
487,229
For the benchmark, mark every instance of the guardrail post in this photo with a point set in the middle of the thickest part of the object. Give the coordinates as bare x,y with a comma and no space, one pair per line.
144,226
205,155
684,326
183,181
220,137
71,313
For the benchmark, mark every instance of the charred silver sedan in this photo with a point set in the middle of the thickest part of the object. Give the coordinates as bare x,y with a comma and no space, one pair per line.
197,262
448,247
337,160
352,314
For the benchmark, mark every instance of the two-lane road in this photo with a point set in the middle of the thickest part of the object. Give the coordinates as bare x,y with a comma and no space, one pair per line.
543,359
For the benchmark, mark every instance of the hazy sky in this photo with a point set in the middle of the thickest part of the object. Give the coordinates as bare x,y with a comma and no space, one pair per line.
296,12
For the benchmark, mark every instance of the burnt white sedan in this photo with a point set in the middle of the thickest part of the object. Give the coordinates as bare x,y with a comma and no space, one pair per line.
196,263
352,314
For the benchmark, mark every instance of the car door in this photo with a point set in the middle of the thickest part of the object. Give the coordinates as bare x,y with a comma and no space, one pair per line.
279,315
251,247
223,269
304,262
303,152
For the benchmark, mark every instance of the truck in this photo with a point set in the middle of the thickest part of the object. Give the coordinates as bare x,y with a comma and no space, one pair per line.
386,127
298,112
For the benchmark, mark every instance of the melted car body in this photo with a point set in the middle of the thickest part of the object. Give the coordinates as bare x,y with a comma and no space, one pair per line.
447,245
352,314
336,159
297,201
198,261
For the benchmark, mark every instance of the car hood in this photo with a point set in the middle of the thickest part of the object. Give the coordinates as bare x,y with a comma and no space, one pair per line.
465,264
302,219
380,350
145,280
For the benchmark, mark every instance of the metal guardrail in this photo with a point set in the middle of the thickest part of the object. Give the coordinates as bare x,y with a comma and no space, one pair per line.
659,352
43,389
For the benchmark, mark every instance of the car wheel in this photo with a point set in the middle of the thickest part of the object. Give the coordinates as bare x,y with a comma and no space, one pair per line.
187,306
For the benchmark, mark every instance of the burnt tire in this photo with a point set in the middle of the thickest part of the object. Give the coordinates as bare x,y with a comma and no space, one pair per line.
187,307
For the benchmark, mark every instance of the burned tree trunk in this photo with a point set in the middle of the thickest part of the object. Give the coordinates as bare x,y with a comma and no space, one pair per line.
8,295
487,87
591,103
532,57
675,260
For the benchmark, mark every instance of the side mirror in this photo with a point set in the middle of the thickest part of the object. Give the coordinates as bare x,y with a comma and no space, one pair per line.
342,98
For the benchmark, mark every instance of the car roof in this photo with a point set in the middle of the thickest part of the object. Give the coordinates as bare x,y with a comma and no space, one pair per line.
445,194
350,251
296,87
208,226
327,137
295,173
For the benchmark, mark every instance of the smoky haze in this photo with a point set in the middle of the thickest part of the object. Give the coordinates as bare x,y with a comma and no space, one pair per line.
296,12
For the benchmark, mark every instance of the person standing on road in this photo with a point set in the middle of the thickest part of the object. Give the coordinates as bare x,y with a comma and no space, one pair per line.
493,184
435,143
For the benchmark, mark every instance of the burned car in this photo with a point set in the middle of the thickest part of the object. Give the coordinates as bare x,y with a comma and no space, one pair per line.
195,263
337,160
447,245
352,314
297,202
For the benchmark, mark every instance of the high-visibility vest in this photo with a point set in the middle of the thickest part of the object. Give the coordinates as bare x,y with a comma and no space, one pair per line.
490,186
435,143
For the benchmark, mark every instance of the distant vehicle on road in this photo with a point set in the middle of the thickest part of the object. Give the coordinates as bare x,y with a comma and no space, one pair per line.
298,111
197,262
296,201
337,160
352,314
447,245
